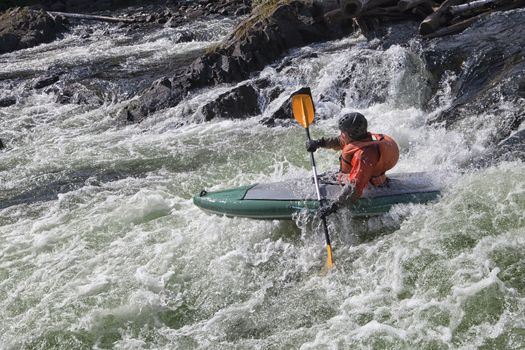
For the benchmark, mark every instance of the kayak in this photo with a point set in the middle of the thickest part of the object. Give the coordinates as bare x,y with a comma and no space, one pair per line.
283,200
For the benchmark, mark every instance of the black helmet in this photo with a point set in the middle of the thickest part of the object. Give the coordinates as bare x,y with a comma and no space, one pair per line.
354,124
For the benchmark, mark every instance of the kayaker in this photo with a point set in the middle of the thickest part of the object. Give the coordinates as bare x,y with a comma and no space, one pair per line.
365,158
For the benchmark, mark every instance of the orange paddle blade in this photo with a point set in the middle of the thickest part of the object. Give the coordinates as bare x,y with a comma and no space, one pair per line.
303,107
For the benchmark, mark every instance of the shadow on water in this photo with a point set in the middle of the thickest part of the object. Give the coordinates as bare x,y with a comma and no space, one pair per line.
67,183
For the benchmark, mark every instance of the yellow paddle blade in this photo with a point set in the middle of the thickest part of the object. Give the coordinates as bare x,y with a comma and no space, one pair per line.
303,107
330,259
329,262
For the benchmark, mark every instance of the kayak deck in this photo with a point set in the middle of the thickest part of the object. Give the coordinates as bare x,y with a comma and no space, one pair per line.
281,200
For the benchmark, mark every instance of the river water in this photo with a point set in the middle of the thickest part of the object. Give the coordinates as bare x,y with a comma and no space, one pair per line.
101,246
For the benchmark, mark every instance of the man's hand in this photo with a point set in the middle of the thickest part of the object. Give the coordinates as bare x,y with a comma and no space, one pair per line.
327,209
313,145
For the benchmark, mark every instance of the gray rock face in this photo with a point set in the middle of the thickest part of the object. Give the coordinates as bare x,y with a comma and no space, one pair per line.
488,61
77,93
512,148
22,28
44,81
7,101
257,41
240,102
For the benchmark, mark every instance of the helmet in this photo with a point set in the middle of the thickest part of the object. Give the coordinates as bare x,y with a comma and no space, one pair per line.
354,124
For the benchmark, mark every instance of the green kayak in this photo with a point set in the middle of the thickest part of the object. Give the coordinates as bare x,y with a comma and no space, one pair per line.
281,200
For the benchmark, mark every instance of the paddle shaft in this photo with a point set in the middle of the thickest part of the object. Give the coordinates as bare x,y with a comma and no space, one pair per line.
316,181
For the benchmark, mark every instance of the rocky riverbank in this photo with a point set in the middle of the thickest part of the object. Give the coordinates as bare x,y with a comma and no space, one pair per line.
21,28
256,42
483,65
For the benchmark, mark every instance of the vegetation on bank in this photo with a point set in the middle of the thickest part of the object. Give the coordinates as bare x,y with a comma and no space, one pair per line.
261,11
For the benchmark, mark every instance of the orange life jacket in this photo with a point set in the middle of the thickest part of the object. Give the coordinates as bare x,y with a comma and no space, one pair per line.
388,155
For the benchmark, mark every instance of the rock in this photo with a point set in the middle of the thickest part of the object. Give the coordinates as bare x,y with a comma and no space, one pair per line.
240,102
172,22
57,6
2,146
280,114
521,88
510,149
46,81
488,72
257,41
161,94
77,93
22,28
7,101
184,37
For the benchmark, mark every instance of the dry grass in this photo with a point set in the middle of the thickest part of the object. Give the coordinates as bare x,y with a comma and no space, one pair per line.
261,11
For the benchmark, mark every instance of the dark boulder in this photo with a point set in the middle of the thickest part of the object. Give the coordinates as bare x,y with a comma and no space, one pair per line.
2,146
162,94
46,81
488,61
521,88
256,42
22,28
78,93
7,101
239,102
184,37
282,113
510,149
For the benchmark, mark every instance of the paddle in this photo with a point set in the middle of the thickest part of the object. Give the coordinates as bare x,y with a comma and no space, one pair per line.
304,113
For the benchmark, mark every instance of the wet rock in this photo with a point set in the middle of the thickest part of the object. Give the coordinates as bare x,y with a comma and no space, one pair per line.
7,101
488,63
161,94
22,28
46,81
185,37
282,113
510,149
57,6
240,102
521,88
259,40
77,93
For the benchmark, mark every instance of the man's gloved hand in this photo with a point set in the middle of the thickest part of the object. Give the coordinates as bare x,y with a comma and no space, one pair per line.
327,209
313,145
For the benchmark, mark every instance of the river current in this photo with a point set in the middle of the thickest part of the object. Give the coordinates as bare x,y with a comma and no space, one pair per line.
101,246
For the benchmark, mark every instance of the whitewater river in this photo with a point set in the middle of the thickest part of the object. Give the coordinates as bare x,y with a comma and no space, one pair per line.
101,246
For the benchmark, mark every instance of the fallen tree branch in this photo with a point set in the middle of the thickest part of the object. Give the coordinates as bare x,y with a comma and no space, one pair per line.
437,19
470,6
95,17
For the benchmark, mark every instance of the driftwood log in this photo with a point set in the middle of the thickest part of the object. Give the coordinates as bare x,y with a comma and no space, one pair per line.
470,6
95,17
439,18
459,16
454,28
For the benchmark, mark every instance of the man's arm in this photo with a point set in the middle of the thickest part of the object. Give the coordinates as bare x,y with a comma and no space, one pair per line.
324,142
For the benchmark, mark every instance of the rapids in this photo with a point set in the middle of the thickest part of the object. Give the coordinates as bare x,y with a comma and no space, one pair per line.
101,246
